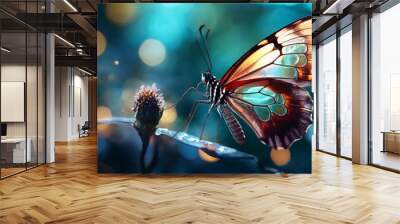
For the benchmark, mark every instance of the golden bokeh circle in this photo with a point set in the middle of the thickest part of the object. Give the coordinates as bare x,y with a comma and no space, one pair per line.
104,129
169,116
152,52
101,43
204,156
280,157
120,13
127,98
103,113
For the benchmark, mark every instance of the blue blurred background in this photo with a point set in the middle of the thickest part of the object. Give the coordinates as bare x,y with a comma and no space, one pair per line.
146,43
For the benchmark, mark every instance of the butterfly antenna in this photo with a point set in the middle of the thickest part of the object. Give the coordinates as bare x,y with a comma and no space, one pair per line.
203,54
205,51
205,40
208,32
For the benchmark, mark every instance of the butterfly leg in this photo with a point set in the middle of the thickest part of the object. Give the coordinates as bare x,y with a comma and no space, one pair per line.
205,121
192,88
191,114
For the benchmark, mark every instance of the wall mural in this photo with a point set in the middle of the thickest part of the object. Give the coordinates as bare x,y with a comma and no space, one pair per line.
204,88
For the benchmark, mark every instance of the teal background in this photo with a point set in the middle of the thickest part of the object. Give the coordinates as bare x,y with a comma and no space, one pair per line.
235,28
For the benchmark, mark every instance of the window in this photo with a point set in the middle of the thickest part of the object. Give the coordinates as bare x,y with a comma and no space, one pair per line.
385,89
327,95
346,92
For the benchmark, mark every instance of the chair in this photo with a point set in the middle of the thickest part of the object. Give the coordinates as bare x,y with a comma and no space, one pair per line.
84,130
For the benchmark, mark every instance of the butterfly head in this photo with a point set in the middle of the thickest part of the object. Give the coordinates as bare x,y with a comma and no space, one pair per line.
207,77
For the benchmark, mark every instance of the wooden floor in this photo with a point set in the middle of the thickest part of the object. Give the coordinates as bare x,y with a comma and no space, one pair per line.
71,191
5,172
386,159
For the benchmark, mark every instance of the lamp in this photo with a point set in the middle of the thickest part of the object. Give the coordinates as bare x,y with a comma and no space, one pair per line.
64,40
70,5
84,71
5,50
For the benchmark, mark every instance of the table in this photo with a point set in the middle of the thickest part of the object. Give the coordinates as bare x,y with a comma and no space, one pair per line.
391,141
16,147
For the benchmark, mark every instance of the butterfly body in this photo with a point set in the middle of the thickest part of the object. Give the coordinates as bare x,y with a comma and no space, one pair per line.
217,94
265,88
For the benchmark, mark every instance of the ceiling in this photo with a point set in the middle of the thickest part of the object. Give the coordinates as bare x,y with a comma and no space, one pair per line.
75,21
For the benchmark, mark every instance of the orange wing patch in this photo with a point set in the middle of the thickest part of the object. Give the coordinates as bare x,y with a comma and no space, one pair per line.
285,54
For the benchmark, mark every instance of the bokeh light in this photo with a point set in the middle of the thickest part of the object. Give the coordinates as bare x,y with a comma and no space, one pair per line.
111,77
103,113
152,52
127,98
204,156
104,129
280,157
101,43
169,116
120,13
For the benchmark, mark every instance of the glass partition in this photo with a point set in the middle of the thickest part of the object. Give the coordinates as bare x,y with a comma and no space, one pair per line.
13,105
22,78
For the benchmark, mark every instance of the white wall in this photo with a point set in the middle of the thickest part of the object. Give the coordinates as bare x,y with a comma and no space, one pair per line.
80,110
12,73
16,73
61,103
71,102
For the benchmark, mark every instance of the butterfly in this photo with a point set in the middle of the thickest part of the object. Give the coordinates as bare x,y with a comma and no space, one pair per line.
265,87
